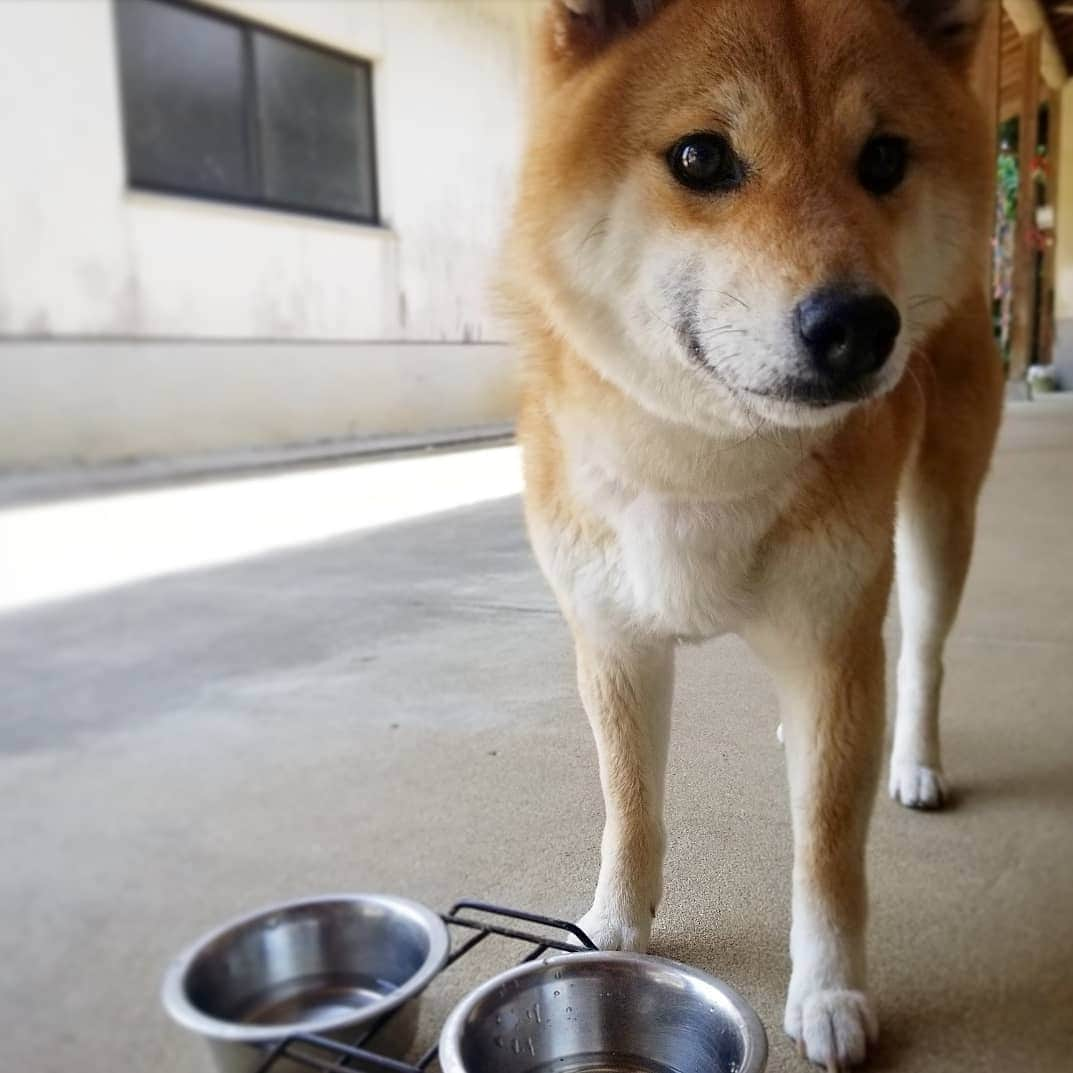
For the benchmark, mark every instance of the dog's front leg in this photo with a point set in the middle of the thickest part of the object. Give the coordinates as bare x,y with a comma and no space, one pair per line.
626,686
833,717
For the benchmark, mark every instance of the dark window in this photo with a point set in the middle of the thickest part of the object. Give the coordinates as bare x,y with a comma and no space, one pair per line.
313,123
215,107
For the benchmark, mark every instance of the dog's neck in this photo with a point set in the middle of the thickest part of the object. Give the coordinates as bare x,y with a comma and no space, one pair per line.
600,425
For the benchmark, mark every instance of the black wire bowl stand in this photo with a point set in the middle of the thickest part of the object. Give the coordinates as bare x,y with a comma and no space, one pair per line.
330,1056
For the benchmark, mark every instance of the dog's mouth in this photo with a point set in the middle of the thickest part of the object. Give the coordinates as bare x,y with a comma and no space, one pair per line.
814,395
794,392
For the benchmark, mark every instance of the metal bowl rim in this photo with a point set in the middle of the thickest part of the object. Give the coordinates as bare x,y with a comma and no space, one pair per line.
753,1032
184,1012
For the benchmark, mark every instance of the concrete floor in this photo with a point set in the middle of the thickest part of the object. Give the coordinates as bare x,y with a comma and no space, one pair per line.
395,711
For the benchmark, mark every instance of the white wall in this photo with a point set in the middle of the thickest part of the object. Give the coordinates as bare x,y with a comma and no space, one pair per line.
82,257
133,400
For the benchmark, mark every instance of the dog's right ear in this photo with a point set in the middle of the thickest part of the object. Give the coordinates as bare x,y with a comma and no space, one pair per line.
950,27
580,29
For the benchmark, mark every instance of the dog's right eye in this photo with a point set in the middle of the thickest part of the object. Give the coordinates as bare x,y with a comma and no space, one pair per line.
705,162
882,165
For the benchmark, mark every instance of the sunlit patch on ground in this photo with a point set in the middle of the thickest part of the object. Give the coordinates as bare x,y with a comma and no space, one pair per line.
70,548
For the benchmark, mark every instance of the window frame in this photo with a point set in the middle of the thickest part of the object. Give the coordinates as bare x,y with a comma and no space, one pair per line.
250,112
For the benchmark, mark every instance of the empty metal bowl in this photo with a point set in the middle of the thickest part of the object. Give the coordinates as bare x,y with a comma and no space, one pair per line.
603,1013
330,966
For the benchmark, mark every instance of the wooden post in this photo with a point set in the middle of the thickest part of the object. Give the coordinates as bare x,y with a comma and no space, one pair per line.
987,79
1024,260
1047,276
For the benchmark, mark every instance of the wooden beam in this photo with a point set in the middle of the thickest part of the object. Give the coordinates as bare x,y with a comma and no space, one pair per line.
987,70
1030,17
1024,255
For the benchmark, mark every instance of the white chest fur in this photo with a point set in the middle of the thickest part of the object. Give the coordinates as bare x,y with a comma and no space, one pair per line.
666,565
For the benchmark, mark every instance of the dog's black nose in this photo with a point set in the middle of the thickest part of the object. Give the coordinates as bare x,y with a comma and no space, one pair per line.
847,333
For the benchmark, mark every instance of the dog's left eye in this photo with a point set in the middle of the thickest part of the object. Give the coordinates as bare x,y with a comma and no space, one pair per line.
705,162
882,164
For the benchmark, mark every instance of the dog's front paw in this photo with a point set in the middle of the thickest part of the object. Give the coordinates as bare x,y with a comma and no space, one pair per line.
832,1028
917,786
615,929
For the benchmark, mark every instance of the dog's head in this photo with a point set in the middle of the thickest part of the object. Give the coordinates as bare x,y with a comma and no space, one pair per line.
743,209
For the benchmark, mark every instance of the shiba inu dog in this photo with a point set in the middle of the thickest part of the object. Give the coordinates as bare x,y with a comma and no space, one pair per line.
747,262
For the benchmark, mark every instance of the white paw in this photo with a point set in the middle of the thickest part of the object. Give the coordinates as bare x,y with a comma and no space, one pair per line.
780,734
612,929
832,1028
916,786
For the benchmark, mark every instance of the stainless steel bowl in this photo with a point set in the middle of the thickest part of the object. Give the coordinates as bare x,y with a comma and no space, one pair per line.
603,1013
329,965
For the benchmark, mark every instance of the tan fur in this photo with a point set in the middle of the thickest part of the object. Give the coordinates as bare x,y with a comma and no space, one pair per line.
667,504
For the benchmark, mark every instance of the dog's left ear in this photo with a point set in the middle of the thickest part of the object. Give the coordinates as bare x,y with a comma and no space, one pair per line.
951,27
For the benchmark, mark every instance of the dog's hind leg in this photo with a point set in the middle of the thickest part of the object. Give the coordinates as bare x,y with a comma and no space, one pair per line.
934,543
936,525
626,688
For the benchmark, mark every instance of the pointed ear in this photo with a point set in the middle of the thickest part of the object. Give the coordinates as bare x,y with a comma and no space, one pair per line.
951,27
580,29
